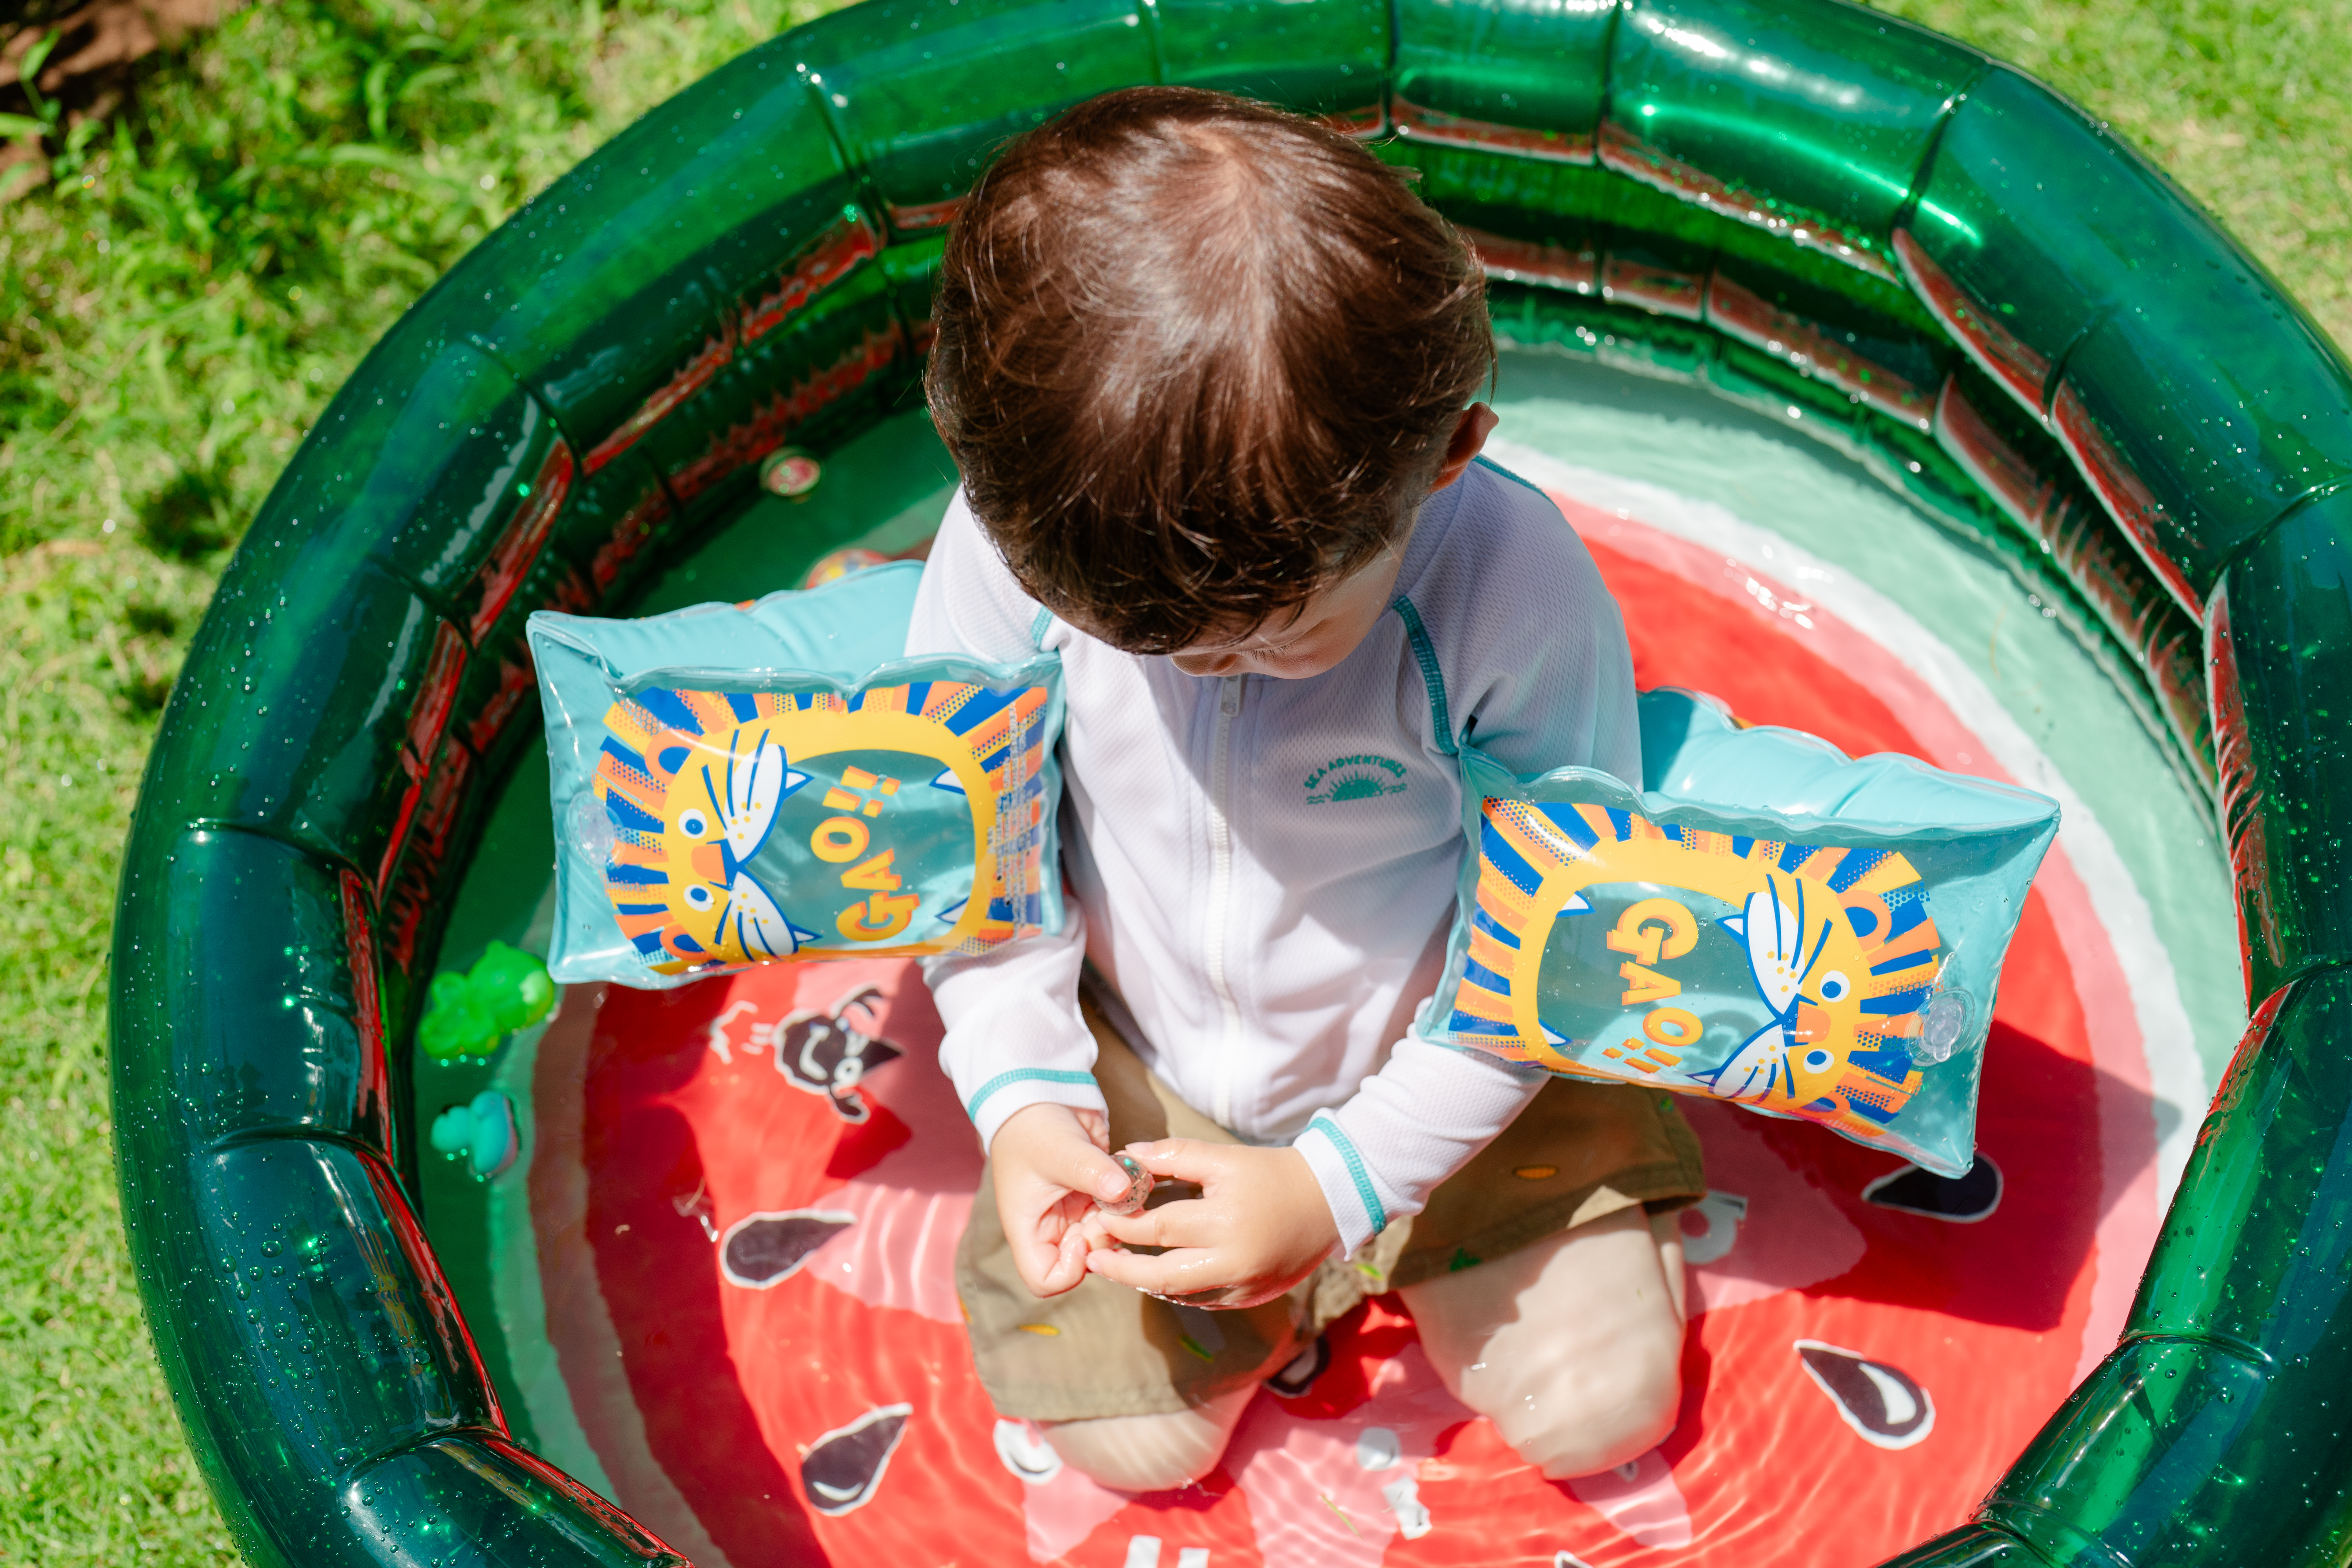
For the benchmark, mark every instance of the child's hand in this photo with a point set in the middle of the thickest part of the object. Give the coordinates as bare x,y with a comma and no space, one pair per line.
1259,1226
1050,1162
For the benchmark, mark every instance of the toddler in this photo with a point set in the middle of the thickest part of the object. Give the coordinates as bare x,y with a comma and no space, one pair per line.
1203,366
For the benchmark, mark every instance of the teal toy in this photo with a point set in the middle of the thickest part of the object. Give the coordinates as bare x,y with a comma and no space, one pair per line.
483,1132
1873,234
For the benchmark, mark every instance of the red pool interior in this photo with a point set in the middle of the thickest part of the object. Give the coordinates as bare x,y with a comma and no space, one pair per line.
665,1124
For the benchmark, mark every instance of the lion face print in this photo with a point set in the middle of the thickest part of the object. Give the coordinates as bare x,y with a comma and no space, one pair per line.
754,827
1785,976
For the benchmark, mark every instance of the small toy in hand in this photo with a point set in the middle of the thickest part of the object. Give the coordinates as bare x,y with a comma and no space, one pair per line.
1138,1188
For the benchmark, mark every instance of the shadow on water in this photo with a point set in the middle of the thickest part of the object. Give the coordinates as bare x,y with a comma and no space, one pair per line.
2040,1120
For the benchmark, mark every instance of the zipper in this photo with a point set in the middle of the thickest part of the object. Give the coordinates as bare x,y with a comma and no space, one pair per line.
1221,893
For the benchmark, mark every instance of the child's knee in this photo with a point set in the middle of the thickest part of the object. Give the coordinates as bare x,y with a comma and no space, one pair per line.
1150,1452
1574,1415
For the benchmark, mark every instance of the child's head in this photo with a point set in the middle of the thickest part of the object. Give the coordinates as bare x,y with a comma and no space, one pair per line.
1199,358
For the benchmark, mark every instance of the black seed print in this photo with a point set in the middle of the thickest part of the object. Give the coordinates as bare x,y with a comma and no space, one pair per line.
842,1468
1878,1401
1963,1200
763,1249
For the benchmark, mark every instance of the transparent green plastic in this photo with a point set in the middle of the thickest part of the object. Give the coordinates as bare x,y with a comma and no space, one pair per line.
1527,78
1808,121
2279,629
2194,395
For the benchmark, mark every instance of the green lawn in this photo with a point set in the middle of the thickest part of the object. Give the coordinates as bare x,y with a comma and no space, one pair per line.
176,307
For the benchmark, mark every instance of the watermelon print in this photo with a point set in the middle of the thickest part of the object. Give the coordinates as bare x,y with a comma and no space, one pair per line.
819,1405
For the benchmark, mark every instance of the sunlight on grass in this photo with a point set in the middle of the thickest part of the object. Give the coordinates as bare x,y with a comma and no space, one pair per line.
2243,103
175,311
203,271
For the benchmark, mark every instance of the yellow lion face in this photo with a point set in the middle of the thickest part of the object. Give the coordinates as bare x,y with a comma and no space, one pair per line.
1786,977
754,827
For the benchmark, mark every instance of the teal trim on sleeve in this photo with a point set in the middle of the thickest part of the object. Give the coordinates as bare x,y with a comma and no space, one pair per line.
1323,1123
1023,1075
1432,677
1038,627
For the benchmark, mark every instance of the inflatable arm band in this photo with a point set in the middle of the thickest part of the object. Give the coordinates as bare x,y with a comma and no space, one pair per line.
1774,925
723,798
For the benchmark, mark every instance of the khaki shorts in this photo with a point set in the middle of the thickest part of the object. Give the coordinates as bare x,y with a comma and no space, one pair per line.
1579,1152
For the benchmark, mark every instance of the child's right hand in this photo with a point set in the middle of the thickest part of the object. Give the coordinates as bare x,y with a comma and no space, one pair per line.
1051,1163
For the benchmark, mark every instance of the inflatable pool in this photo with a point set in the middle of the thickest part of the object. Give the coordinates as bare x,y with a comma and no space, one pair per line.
1897,401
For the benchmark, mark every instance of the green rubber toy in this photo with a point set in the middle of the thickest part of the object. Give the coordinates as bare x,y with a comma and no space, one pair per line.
467,1014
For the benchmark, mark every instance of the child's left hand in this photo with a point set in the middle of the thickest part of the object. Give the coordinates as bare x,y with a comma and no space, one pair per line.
1259,1226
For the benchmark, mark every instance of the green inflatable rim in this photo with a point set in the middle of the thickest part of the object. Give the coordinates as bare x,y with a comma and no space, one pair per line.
1952,273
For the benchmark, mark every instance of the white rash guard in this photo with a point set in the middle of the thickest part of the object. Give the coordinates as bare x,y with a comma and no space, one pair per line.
1265,870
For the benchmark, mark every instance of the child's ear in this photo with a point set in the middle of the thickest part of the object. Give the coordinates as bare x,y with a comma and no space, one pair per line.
1469,439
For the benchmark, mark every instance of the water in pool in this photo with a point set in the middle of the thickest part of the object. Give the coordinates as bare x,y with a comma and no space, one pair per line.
1751,562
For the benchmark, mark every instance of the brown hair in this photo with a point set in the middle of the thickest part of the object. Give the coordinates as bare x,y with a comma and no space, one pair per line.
1195,357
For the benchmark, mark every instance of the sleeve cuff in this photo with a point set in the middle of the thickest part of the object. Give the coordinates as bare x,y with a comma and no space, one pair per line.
1359,1207
1408,1128
993,1103
1015,1036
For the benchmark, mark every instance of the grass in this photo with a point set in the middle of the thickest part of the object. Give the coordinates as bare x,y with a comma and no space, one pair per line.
176,307
2242,101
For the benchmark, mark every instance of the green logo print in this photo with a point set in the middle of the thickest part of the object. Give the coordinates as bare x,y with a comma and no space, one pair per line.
1354,778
